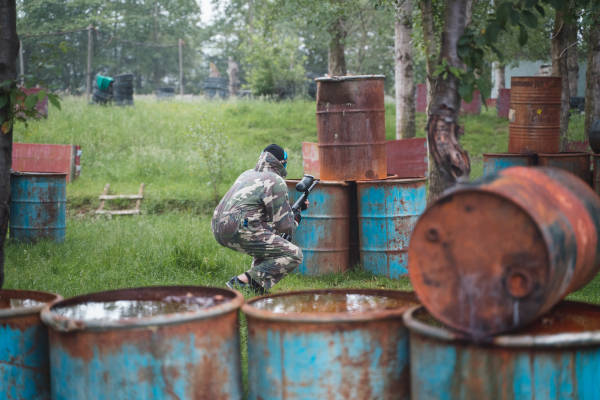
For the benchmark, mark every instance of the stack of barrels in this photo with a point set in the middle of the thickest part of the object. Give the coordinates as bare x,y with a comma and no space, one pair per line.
123,90
357,213
534,130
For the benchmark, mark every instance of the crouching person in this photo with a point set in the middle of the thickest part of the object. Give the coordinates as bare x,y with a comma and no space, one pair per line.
251,218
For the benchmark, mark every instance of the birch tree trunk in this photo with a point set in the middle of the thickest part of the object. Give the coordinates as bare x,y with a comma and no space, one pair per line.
592,89
448,161
9,46
405,84
499,71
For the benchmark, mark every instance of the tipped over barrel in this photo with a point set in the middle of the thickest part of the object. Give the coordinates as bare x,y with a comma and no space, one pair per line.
492,256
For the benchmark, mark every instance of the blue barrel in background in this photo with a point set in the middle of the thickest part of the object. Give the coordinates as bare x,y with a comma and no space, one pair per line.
325,233
102,349
38,206
24,356
333,344
557,357
494,162
388,211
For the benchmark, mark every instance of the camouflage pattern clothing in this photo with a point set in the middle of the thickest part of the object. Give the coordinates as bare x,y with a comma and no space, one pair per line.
251,218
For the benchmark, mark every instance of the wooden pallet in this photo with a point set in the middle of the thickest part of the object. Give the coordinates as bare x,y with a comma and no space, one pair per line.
105,196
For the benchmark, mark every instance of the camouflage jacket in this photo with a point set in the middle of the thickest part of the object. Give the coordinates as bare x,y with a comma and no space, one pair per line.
258,197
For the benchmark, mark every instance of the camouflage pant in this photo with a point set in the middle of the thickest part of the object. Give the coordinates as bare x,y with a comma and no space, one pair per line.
274,257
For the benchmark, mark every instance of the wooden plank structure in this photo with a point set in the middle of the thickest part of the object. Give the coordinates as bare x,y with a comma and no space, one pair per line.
105,196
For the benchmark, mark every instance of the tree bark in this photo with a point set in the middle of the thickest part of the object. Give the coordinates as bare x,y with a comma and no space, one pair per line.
9,47
499,71
592,89
560,68
405,83
572,62
430,42
337,59
448,161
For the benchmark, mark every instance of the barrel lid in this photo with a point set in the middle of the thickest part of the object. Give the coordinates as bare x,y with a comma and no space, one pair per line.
569,323
348,78
404,300
391,180
40,300
21,173
50,316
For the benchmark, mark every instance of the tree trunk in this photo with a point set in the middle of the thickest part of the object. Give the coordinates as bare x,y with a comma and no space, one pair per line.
430,46
448,160
337,59
405,84
499,71
592,88
572,64
559,68
9,47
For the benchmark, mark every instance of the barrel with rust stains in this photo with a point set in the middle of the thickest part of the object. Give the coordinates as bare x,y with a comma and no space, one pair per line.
38,206
387,213
534,114
351,127
494,162
558,357
24,357
494,255
325,232
333,344
576,163
178,342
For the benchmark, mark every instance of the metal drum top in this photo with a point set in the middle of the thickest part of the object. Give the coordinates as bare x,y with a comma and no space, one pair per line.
233,301
408,299
577,163
494,162
41,299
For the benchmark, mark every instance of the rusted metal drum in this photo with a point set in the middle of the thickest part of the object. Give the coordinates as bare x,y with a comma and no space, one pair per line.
351,127
328,344
576,163
325,233
596,172
534,114
387,213
558,357
494,255
146,343
494,162
38,206
24,357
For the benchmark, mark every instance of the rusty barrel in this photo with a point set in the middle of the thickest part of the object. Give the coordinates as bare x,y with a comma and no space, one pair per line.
179,342
557,357
494,162
387,213
534,114
333,344
576,163
351,127
38,206
325,232
493,255
24,357
596,172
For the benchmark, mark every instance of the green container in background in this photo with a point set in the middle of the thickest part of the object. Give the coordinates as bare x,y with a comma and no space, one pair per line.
103,82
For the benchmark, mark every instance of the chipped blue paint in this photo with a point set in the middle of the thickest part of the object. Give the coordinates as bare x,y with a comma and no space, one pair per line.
38,207
24,362
493,163
388,211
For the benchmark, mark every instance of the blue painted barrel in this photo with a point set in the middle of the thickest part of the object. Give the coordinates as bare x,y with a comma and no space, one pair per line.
38,206
494,162
325,233
328,344
558,357
388,211
146,343
24,357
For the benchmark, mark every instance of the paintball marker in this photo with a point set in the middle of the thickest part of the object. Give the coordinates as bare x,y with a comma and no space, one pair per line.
306,185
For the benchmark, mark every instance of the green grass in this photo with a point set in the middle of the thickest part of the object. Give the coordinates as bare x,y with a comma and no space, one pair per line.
171,243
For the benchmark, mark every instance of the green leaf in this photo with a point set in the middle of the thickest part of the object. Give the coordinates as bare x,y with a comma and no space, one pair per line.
465,91
530,19
514,16
522,35
455,71
54,100
491,32
503,12
3,100
540,10
42,95
31,101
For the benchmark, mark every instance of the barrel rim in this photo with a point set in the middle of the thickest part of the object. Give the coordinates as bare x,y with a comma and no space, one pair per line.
392,179
329,317
338,78
505,340
322,182
44,174
564,154
541,77
27,294
509,155
65,324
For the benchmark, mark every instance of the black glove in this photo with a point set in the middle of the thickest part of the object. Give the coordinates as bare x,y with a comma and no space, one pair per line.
297,216
304,205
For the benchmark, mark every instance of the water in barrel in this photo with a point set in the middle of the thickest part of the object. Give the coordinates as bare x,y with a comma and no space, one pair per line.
6,303
335,302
